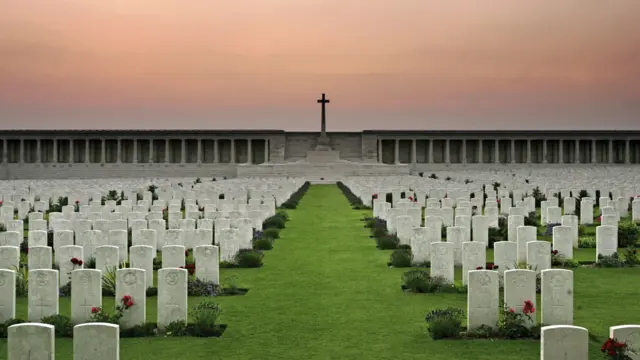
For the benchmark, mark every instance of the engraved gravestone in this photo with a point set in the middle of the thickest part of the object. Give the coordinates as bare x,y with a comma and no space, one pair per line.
96,341
31,341
473,256
539,255
442,261
207,263
483,299
520,286
172,296
132,282
564,342
7,295
86,293
557,297
43,294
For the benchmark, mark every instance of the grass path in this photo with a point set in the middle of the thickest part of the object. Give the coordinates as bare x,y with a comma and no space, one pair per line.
325,292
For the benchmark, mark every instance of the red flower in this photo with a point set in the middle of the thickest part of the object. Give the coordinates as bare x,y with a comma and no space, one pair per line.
375,196
1,202
555,252
186,253
498,201
80,262
74,261
479,268
129,303
489,266
77,202
528,308
410,198
95,310
126,298
511,310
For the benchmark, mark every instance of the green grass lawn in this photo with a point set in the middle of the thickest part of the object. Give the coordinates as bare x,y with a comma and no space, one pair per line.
325,292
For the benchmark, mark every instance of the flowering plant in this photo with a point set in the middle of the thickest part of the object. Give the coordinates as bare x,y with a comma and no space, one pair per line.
489,266
76,261
614,349
1,202
191,268
514,324
375,196
99,315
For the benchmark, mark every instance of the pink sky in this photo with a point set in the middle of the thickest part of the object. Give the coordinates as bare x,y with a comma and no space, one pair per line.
261,64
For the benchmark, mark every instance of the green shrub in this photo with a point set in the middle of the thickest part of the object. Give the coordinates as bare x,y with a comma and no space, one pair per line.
205,315
628,233
62,324
275,222
610,261
587,242
531,219
263,243
416,280
271,233
445,323
176,328
22,280
630,256
152,291
109,282
4,326
248,258
387,242
401,258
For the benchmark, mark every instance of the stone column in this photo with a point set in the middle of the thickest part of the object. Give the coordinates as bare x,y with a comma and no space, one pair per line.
71,151
594,153
528,151
55,151
21,160
544,151
233,151
497,151
87,158
577,156
561,152
627,152
103,152
151,151
199,154
447,152
396,152
480,152
414,152
183,151
167,159
610,151
39,147
464,151
216,153
513,151
380,151
119,151
430,151
135,151
249,154
266,150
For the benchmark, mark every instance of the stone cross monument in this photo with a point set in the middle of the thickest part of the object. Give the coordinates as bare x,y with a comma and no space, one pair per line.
323,140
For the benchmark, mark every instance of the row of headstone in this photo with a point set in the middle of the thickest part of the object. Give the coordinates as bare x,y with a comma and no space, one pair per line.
519,286
96,341
568,342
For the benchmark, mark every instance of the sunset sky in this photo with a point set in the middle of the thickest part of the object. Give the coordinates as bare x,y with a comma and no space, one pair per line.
261,64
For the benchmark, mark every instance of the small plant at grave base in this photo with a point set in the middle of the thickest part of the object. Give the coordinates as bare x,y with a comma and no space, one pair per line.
445,323
197,287
587,242
387,242
615,350
630,256
531,219
191,268
176,328
248,258
609,261
231,285
514,324
99,315
628,233
62,324
271,233
401,258
22,280
205,315
109,282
